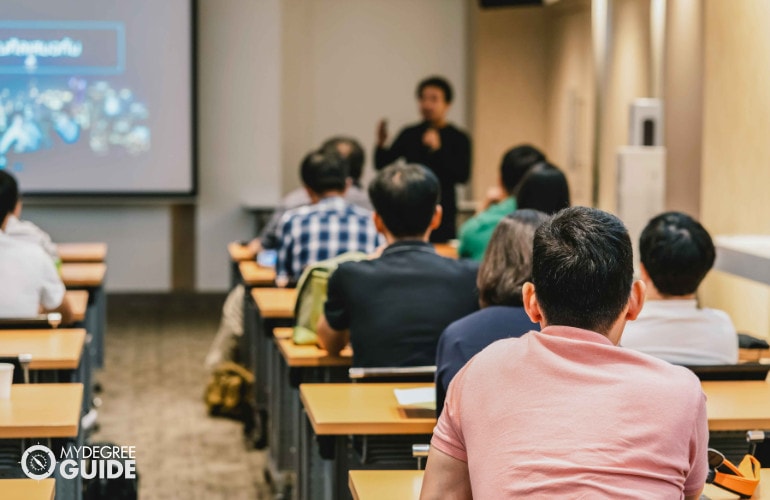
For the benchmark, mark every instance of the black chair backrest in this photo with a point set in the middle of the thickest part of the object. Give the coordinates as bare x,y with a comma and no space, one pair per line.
39,322
741,371
18,371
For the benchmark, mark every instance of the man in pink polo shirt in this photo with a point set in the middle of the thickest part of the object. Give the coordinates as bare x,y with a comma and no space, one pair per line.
565,412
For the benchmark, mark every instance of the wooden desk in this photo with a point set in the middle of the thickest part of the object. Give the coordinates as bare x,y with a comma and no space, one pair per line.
753,354
342,409
239,253
255,275
385,484
27,489
82,252
83,275
303,356
41,411
275,303
446,250
740,405
78,300
283,332
50,349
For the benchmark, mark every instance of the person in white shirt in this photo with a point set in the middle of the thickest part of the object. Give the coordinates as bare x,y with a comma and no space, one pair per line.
676,253
30,281
28,231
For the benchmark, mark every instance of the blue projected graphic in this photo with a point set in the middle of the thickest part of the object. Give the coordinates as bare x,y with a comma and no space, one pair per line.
54,90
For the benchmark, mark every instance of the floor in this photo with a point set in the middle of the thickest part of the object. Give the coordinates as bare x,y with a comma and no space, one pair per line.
153,384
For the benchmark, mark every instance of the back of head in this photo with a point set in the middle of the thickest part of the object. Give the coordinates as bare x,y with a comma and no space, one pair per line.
582,268
323,171
507,263
543,188
405,197
438,82
677,252
351,152
516,162
9,194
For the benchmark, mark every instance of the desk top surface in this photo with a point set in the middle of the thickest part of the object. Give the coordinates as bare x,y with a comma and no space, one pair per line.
239,253
83,274
41,411
739,405
275,303
50,349
78,300
338,409
385,484
255,275
27,489
297,356
82,252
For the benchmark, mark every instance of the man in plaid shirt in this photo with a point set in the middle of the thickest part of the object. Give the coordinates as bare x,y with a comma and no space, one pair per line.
330,226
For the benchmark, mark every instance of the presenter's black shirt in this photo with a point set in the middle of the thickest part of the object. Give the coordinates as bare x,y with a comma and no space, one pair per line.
451,164
397,305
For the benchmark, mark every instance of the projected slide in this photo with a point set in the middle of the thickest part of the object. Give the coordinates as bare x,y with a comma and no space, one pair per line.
95,96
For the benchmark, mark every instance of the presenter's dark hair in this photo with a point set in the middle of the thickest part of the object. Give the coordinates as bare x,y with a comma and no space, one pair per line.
582,268
323,171
507,263
405,197
516,162
438,82
9,194
677,253
544,188
355,158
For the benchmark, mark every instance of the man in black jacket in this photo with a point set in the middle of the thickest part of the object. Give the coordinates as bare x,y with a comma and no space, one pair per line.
434,143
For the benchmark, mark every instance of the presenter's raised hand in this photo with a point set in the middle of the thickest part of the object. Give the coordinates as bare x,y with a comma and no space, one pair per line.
382,133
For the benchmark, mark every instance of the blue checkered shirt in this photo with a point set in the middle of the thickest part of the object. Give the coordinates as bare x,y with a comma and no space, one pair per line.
317,232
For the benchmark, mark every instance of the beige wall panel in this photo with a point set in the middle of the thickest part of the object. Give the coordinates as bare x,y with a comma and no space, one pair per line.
570,100
509,86
736,148
628,78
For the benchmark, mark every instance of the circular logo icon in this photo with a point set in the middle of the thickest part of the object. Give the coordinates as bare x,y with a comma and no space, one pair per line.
38,462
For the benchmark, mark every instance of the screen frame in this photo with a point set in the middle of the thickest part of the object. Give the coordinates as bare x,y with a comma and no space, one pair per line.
170,197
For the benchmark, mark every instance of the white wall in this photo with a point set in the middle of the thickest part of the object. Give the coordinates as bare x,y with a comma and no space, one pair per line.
239,89
349,63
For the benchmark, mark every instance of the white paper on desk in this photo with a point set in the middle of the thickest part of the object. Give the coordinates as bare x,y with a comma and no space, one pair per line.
423,397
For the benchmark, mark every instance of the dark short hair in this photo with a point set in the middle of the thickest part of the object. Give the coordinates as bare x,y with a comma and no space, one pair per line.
507,263
582,268
516,162
438,82
323,171
544,188
405,197
9,194
355,159
677,253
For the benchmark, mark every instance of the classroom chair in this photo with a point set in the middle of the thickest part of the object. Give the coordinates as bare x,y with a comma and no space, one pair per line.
393,374
741,371
41,321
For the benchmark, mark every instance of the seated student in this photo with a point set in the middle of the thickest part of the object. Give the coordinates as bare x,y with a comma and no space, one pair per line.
543,188
507,265
676,254
351,151
329,226
475,233
28,231
30,281
565,412
393,308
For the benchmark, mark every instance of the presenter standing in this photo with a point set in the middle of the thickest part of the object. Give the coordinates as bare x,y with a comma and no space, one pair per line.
434,143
